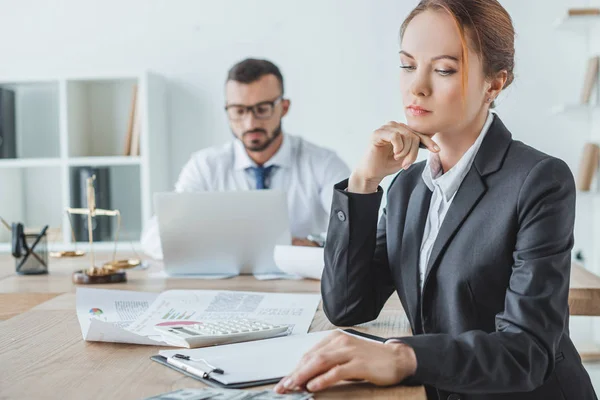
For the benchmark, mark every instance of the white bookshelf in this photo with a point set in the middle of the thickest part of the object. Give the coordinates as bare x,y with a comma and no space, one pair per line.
63,123
29,162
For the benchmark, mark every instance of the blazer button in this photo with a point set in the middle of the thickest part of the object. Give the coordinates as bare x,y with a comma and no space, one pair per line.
341,216
454,396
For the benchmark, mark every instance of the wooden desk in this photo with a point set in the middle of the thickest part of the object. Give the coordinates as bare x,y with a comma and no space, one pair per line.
13,304
48,335
584,293
44,356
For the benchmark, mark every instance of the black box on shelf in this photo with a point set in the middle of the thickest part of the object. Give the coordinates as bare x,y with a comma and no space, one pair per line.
102,225
8,140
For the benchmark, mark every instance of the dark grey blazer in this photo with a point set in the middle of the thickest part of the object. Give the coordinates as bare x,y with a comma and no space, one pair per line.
492,322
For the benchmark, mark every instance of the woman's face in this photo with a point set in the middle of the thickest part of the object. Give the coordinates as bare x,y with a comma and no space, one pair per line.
431,76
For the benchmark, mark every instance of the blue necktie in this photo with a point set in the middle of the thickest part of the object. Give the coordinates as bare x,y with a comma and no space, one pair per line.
261,174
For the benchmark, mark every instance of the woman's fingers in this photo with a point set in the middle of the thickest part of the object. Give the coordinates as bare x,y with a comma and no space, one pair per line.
320,362
336,374
401,137
393,147
409,142
386,136
428,142
411,157
398,134
349,358
319,346
286,383
331,351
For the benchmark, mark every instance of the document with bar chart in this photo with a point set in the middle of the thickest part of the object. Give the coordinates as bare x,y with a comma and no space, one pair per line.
183,307
123,316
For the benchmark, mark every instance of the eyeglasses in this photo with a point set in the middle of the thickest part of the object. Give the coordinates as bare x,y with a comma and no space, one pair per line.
262,110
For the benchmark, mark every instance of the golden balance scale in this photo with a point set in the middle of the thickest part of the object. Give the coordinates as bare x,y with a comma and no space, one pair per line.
109,272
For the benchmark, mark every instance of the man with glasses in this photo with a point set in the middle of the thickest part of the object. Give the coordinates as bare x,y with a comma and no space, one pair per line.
261,156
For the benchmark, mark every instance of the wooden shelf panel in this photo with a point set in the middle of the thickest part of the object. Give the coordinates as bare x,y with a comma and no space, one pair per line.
577,23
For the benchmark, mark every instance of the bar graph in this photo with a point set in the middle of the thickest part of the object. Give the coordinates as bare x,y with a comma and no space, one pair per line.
179,315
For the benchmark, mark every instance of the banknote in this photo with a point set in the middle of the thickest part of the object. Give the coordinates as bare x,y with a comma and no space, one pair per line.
271,395
229,394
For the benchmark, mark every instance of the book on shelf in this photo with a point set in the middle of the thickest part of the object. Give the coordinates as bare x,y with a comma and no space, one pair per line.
8,140
591,78
135,136
574,12
132,137
132,114
101,226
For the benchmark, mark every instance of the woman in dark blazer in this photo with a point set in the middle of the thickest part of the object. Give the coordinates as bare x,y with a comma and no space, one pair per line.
476,241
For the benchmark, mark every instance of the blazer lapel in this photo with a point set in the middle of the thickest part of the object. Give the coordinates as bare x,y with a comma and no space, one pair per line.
417,210
469,193
488,160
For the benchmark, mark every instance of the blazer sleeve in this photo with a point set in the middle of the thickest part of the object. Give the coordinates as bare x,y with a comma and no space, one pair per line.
331,170
519,355
356,280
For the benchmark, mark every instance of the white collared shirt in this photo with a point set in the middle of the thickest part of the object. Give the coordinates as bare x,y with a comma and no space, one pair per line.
304,170
444,187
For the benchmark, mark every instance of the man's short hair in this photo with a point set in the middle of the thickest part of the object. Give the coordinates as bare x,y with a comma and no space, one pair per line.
252,69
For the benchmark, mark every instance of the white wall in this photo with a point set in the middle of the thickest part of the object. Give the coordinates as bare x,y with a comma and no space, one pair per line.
339,59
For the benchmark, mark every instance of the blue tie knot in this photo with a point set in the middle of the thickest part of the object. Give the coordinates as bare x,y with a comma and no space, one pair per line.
261,175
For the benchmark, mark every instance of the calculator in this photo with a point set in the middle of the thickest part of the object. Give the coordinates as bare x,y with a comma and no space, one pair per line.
209,333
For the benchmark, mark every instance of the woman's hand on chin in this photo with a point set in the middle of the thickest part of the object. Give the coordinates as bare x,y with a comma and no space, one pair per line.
393,147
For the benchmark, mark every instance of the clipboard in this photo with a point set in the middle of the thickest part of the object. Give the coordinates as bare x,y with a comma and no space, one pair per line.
211,382
300,343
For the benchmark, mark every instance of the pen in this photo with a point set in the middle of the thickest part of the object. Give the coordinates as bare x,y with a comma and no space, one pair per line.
31,250
39,236
191,368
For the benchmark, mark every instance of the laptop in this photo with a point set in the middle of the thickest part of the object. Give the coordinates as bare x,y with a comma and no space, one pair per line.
222,233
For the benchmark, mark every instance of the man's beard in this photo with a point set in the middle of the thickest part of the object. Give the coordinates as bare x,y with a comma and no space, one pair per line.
258,147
